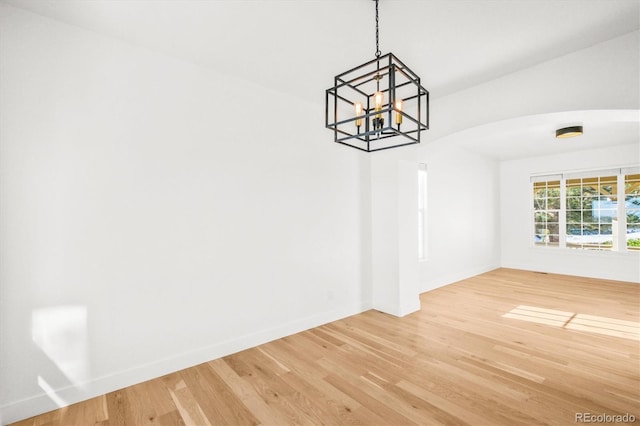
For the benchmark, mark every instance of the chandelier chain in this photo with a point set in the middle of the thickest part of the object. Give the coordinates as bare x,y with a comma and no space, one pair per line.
378,53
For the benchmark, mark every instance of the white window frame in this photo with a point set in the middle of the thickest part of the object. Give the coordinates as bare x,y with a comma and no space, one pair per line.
619,229
423,251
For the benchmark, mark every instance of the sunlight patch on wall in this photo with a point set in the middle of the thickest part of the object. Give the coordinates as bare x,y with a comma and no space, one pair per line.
61,333
580,322
51,393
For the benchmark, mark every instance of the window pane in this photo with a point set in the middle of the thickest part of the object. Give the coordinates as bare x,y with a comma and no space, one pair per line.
632,186
553,203
546,216
546,204
574,203
546,240
591,209
608,216
574,216
633,237
632,201
573,229
422,211
632,207
608,185
539,185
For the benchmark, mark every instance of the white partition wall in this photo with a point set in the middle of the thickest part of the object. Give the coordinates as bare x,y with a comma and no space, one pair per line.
148,225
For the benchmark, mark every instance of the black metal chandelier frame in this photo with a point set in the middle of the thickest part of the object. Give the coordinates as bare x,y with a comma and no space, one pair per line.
373,103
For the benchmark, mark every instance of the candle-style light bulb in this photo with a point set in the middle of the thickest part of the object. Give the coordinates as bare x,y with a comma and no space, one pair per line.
378,121
358,108
398,108
377,100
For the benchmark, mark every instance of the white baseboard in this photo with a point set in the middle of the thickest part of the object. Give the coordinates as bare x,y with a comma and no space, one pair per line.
441,281
43,403
399,311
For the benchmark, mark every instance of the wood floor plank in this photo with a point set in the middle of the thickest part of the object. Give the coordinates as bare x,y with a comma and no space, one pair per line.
188,407
507,347
208,388
246,393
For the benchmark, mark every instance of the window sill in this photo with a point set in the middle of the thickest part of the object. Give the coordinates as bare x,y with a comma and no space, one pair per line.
589,253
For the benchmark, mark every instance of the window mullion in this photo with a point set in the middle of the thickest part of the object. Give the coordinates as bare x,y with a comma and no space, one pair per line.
621,215
562,219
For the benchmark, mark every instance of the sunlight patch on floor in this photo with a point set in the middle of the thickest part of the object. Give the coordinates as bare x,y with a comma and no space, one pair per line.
540,315
579,322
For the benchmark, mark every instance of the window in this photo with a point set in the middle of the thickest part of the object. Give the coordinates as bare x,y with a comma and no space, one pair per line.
581,210
546,206
632,205
592,211
422,212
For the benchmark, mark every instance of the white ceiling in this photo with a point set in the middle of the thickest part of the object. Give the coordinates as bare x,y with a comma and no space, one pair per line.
297,46
534,135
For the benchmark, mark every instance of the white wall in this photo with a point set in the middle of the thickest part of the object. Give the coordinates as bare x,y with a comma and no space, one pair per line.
462,225
516,217
394,225
152,218
463,228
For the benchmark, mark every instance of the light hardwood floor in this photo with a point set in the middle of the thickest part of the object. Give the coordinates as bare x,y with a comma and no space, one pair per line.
504,348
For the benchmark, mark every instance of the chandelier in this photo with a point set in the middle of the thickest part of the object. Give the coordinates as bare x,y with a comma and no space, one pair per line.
377,105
